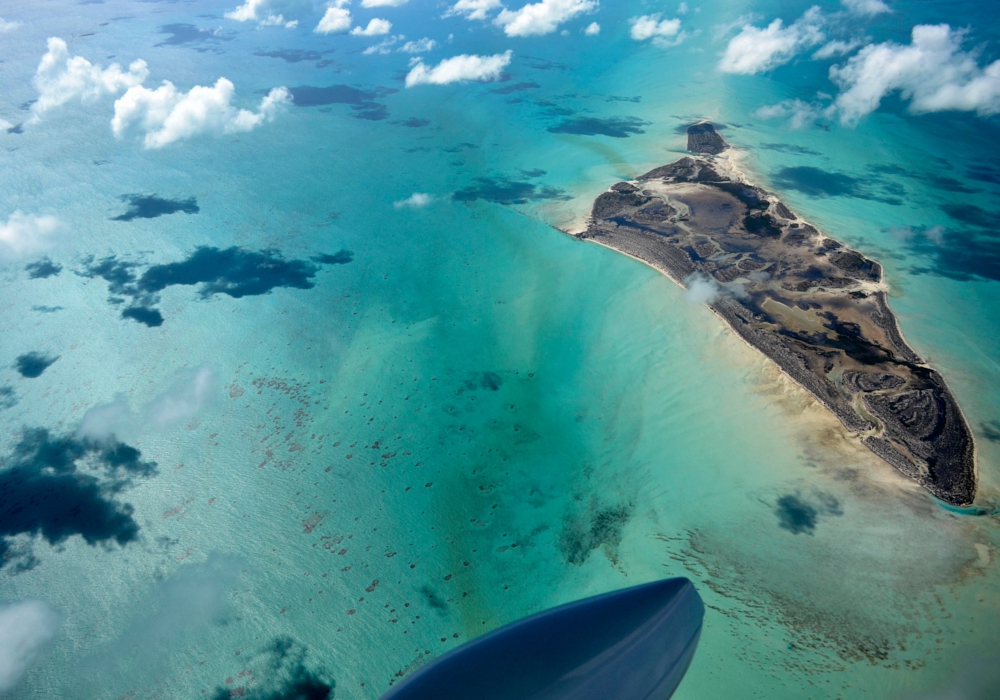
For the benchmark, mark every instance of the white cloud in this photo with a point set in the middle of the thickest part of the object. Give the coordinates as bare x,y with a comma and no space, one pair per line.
420,46
932,72
6,26
168,115
414,201
181,605
459,69
383,3
866,8
23,234
278,21
104,420
5,125
836,48
61,78
25,628
755,50
384,47
246,12
336,19
800,114
542,17
189,395
702,289
593,29
257,10
682,8
473,9
377,27
665,32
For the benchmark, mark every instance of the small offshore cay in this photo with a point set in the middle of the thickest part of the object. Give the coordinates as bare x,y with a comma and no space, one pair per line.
810,304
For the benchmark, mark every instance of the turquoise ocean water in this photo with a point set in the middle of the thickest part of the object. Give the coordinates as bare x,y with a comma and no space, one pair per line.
462,415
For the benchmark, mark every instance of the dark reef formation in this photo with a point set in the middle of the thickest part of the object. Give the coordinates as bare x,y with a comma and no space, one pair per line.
703,138
807,302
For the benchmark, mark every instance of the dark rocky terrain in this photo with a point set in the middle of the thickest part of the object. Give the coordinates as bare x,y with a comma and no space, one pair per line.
810,304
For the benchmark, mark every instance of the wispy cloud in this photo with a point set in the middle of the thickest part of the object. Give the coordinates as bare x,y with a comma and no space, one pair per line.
261,12
27,234
187,398
414,201
866,8
473,9
25,629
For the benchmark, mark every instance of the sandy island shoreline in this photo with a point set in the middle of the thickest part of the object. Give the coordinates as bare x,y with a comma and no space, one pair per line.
814,307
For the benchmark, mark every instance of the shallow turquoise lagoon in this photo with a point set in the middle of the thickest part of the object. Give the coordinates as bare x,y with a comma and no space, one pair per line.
461,415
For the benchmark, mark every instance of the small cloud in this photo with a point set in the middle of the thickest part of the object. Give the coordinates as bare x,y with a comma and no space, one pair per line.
934,234
103,421
61,78
800,114
383,3
866,8
682,8
414,201
168,115
257,10
593,29
278,21
6,26
540,18
664,33
337,19
383,47
25,234
756,50
25,629
836,48
191,393
473,9
376,27
702,289
462,68
420,46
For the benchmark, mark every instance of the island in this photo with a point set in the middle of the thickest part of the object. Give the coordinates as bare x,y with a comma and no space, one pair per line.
813,306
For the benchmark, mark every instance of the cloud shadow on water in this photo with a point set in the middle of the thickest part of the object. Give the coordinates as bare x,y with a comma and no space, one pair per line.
31,364
57,486
516,87
615,127
800,515
817,182
201,40
506,190
362,102
235,272
41,269
143,206
279,673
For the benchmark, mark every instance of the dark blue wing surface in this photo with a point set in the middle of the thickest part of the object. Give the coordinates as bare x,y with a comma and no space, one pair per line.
633,644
